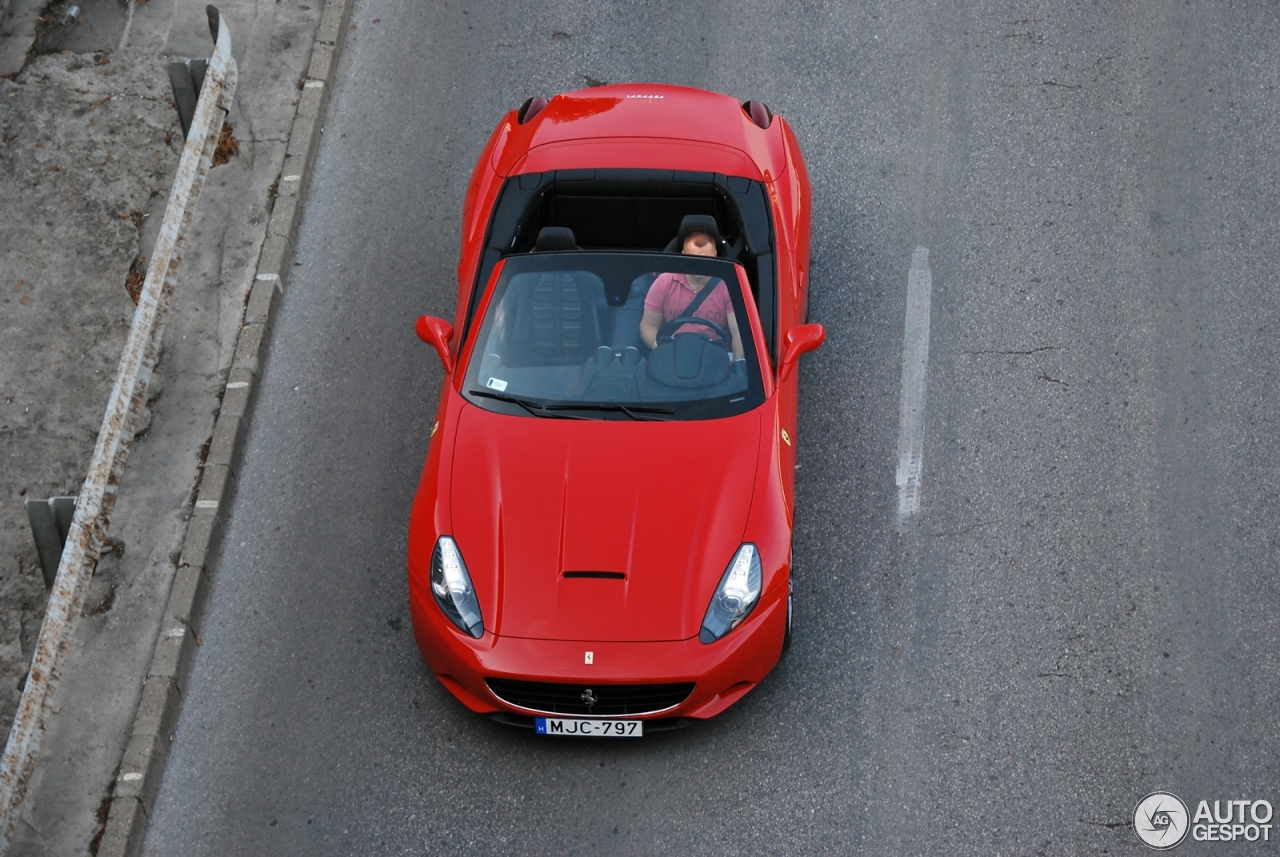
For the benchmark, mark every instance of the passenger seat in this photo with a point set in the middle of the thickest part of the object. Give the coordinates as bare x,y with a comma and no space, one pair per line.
555,319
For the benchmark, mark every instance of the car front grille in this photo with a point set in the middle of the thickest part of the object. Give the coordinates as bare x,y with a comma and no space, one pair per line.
595,700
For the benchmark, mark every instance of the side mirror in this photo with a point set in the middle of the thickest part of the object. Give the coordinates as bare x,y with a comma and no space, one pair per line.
436,332
800,340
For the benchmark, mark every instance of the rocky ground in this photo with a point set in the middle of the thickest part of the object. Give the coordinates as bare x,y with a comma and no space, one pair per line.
88,145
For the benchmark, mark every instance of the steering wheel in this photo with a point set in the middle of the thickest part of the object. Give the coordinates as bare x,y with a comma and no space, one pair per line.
675,324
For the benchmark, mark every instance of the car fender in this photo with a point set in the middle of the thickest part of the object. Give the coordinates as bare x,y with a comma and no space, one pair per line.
431,516
769,521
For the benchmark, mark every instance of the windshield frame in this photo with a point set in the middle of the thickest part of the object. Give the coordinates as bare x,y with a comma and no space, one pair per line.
760,382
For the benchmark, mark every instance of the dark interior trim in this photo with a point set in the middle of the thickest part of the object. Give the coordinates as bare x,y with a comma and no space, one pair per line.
635,210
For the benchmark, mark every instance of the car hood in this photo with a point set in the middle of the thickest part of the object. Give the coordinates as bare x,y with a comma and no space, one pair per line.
664,504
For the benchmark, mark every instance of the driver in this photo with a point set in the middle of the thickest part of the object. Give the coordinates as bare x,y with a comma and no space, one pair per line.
671,293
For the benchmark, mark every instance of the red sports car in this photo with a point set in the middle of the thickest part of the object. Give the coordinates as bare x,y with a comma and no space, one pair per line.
601,538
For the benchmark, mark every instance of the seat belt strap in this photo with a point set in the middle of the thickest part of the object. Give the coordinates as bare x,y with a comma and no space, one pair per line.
700,297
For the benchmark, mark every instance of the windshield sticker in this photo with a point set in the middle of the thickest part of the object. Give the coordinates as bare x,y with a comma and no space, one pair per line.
496,384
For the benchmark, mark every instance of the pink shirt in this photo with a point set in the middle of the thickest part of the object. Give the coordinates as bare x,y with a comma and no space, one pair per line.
670,294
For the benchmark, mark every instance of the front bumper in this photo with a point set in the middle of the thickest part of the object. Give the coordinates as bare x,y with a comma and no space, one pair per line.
722,672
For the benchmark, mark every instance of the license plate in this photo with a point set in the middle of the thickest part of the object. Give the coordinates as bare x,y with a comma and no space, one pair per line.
582,727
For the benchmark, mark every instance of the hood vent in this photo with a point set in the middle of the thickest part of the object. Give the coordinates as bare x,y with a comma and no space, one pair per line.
602,575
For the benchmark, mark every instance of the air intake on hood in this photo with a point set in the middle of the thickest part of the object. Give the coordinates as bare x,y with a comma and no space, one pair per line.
604,575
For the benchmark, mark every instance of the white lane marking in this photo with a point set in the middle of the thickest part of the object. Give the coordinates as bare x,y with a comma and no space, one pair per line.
313,84
206,504
292,178
132,777
236,385
268,277
915,366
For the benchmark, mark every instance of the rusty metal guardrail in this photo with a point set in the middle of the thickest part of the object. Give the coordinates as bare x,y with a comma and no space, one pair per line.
128,397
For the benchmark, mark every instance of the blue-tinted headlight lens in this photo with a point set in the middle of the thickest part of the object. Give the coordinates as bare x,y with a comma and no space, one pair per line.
735,597
451,586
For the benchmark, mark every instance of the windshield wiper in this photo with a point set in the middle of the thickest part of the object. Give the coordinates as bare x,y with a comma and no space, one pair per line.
632,411
532,407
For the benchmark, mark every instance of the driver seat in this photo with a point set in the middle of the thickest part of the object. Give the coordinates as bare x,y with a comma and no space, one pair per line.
696,223
692,223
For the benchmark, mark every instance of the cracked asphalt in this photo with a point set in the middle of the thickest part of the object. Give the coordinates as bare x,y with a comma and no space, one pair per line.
1083,610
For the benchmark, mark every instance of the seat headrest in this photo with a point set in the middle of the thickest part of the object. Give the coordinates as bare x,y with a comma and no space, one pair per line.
555,238
696,223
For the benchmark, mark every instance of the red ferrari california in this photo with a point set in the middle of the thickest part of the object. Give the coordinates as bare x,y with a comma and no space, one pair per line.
600,544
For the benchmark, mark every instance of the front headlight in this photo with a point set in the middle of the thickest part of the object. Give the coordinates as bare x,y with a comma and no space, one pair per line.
735,597
451,585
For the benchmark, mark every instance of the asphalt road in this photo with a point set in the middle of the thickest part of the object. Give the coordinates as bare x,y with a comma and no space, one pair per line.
1084,609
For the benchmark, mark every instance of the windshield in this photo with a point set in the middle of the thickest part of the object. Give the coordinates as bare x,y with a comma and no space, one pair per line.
615,336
